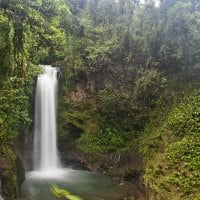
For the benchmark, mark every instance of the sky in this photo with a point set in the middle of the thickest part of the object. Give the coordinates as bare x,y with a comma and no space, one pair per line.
157,2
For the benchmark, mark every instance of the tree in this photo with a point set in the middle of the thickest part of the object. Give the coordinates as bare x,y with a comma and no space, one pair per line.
181,39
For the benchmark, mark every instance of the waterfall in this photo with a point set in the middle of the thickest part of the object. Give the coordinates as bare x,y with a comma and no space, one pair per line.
45,142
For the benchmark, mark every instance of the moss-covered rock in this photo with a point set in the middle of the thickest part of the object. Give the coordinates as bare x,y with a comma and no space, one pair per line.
12,173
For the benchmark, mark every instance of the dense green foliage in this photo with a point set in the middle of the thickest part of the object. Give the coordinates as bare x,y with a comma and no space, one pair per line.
125,66
174,170
128,65
30,32
15,105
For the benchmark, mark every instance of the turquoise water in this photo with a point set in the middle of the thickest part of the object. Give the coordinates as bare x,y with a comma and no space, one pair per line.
87,185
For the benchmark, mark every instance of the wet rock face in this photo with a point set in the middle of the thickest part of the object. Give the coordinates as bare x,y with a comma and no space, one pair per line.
77,161
5,164
12,173
20,171
132,175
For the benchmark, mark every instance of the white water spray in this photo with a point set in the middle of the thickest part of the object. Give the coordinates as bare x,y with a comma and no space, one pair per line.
45,156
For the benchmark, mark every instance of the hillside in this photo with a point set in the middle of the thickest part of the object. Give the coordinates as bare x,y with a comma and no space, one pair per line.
128,100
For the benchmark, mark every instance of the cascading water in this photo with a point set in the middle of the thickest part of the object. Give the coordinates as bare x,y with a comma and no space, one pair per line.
45,146
46,162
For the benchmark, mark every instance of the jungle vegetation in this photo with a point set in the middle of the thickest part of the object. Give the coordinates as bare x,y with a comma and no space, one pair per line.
143,65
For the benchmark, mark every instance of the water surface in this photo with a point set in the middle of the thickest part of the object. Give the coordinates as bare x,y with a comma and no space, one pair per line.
87,185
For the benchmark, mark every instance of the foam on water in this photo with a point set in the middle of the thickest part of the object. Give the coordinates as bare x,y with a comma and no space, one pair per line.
48,174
